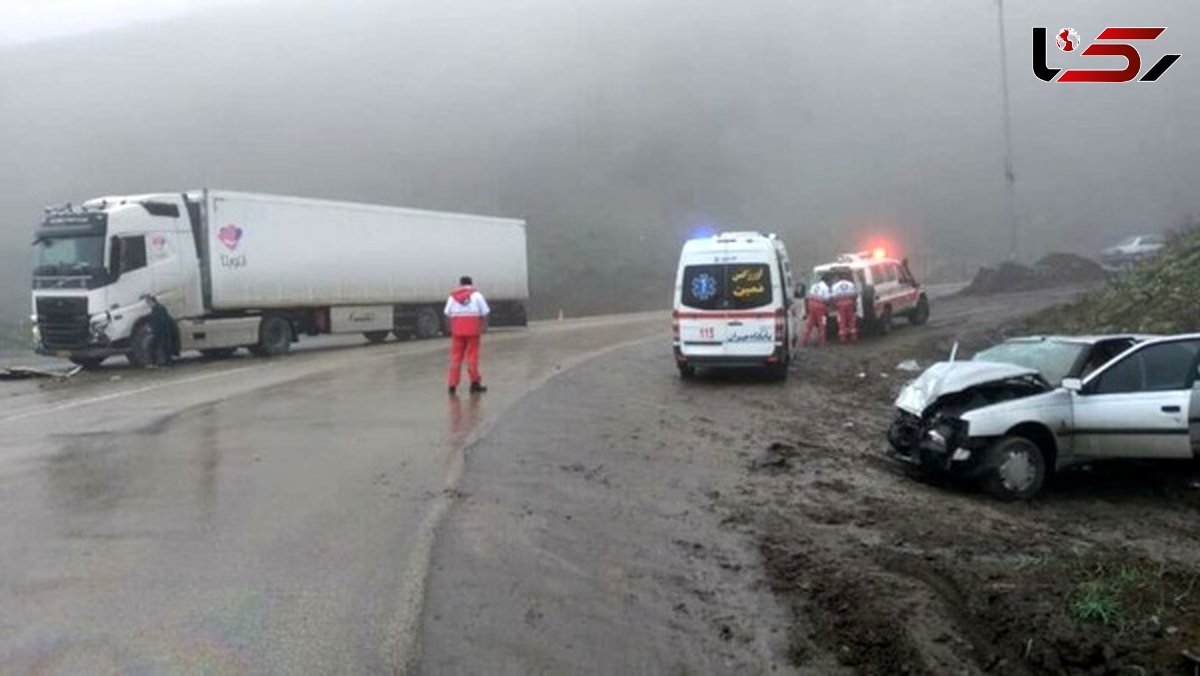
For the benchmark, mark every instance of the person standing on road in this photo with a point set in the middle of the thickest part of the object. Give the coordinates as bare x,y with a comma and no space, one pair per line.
467,311
816,305
845,300
164,334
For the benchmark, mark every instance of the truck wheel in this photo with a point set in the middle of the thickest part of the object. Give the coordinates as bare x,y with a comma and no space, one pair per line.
274,336
88,363
921,314
218,352
141,345
1018,469
428,323
375,337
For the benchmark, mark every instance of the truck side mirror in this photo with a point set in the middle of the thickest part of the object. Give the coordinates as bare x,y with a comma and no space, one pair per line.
1072,384
114,259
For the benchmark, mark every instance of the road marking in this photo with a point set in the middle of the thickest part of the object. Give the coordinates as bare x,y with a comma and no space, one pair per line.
404,633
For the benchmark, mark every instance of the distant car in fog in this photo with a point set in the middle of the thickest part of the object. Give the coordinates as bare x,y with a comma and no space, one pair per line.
1132,250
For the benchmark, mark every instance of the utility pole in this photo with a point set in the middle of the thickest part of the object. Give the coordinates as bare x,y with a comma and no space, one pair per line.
1009,177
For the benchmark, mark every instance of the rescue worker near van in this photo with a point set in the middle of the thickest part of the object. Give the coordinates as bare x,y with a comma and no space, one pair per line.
816,305
845,300
467,311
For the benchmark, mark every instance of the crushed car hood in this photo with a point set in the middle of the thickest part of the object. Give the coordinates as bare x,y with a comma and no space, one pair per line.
950,377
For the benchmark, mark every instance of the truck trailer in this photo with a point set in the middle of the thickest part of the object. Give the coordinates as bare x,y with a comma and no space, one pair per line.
259,271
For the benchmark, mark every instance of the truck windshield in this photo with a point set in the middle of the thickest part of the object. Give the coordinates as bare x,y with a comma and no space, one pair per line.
727,287
69,256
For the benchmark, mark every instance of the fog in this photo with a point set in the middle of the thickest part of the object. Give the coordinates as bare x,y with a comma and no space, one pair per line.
619,127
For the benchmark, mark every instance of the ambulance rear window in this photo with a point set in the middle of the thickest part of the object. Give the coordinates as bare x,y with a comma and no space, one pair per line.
727,287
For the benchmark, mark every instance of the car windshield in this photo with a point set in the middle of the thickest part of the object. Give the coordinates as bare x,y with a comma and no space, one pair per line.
1053,359
68,256
1153,240
1128,241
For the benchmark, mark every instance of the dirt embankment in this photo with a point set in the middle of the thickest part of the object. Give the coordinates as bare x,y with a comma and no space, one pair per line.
1053,270
889,574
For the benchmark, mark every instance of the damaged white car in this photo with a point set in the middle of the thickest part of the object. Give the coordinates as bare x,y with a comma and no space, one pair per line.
1058,401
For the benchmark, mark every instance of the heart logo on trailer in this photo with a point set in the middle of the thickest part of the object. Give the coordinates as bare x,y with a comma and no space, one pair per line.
230,235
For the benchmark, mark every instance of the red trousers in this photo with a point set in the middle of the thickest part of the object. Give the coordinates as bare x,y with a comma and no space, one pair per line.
847,320
815,320
464,347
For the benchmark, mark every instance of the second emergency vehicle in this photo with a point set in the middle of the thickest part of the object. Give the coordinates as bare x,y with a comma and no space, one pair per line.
736,304
886,290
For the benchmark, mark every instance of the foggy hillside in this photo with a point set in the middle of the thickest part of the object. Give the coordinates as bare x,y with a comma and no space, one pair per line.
615,127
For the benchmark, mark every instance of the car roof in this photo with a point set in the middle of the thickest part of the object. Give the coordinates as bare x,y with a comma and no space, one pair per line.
1081,340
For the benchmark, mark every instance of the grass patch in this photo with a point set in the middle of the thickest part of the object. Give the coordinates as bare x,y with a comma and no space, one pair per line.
1100,596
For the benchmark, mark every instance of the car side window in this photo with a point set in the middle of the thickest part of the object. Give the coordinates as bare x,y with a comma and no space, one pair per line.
1157,368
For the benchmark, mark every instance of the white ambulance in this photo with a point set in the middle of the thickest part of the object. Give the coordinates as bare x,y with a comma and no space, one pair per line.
886,290
736,305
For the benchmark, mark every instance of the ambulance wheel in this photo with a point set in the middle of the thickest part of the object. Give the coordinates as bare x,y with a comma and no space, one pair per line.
921,314
687,372
778,372
428,323
374,337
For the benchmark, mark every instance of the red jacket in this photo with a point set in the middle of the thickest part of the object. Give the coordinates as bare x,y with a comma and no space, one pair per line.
466,308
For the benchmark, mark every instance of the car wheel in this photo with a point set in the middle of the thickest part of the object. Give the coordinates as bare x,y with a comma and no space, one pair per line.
1018,469
921,314
687,372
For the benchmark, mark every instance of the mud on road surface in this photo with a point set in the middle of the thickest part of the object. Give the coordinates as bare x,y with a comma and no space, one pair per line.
623,521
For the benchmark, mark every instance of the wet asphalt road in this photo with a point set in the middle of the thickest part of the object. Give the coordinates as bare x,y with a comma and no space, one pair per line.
247,515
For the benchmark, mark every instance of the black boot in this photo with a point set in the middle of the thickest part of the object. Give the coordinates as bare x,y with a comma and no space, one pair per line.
478,388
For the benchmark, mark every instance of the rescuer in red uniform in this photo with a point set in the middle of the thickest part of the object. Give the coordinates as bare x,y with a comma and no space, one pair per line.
467,311
816,306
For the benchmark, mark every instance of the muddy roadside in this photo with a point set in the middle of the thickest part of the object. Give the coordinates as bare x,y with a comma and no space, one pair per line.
622,521
891,573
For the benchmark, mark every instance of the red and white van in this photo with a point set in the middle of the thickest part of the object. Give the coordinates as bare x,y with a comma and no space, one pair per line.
886,289
735,304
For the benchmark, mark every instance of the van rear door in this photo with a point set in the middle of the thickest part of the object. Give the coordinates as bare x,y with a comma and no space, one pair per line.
727,311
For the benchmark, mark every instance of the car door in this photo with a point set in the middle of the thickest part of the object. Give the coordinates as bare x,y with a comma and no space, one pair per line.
1140,405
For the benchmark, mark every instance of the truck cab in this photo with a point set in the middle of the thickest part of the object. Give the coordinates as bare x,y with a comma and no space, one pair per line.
95,263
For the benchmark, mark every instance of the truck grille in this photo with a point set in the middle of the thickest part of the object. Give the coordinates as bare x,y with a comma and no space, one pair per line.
63,322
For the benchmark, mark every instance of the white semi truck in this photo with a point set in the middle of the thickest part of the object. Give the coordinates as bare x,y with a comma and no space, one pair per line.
258,271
